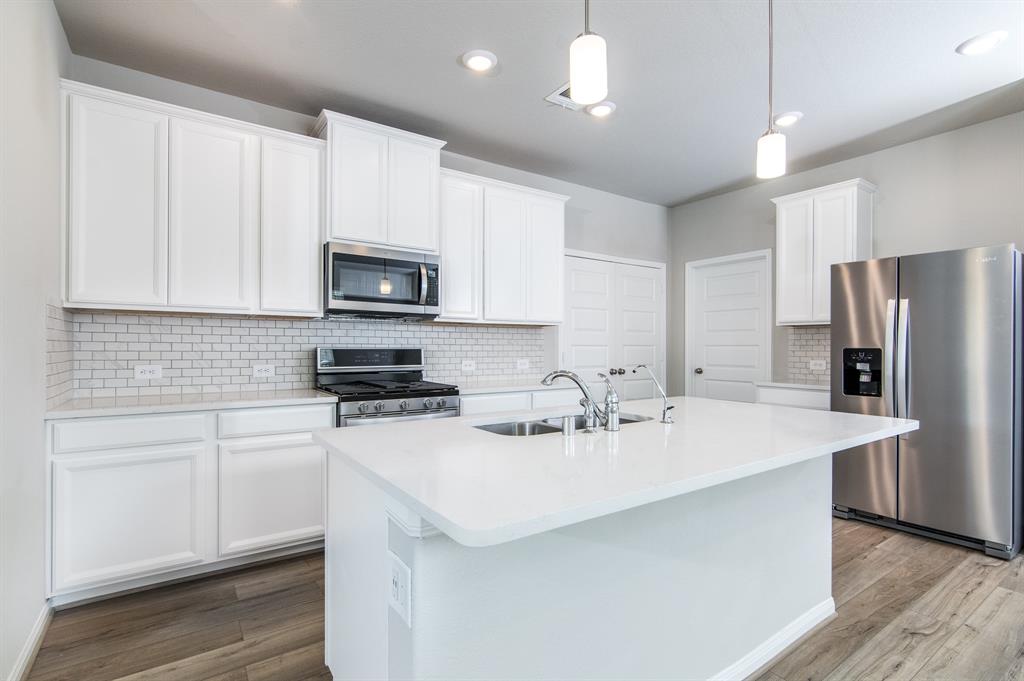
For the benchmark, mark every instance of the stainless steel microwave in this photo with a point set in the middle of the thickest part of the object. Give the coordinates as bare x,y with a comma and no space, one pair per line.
364,281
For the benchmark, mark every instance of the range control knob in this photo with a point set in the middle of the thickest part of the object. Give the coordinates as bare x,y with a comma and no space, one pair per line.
404,404
363,407
442,402
379,406
428,403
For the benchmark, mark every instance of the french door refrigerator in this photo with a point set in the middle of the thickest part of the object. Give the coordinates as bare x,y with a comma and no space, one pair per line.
934,337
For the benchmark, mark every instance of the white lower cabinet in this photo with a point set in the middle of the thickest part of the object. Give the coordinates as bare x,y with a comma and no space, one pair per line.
124,514
132,506
271,493
493,403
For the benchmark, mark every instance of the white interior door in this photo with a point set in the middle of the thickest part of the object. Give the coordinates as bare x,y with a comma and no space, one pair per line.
727,319
614,320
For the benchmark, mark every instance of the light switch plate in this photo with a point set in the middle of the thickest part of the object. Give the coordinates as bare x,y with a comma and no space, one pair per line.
400,588
817,364
145,372
522,364
262,370
468,366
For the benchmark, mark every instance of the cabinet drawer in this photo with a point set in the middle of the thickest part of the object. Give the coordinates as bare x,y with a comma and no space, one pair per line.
275,420
556,398
486,404
130,431
808,399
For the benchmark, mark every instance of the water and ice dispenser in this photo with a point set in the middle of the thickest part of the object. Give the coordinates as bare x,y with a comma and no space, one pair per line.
862,372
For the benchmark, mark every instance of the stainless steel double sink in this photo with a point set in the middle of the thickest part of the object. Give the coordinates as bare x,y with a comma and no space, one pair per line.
550,425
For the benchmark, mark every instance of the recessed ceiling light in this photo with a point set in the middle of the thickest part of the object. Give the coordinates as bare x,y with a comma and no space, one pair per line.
789,118
479,60
601,109
981,44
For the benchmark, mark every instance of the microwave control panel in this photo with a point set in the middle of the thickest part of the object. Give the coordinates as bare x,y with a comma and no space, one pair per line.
862,372
432,284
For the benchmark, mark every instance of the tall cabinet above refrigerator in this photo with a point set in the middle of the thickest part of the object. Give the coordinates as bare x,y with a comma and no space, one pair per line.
934,337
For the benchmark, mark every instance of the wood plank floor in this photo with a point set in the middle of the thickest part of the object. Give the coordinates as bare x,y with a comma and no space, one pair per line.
907,608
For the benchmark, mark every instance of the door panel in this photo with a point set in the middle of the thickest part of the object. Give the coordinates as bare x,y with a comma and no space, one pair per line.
213,216
358,184
505,255
795,254
412,194
833,243
545,255
956,472
462,218
640,302
730,319
588,325
864,478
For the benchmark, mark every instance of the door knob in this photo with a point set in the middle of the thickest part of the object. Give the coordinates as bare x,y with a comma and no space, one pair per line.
698,370
622,371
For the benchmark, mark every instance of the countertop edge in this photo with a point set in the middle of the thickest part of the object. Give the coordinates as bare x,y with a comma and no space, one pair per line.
480,538
249,401
794,386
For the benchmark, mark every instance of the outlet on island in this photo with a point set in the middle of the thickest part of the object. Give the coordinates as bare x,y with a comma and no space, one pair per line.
262,370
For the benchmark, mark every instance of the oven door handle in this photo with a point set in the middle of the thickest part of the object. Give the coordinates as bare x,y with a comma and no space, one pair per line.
349,421
423,284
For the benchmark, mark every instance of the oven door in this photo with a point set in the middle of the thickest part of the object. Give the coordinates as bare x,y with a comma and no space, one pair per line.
367,281
371,419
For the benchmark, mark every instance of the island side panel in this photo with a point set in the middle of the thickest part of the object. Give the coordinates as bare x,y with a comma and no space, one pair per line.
710,583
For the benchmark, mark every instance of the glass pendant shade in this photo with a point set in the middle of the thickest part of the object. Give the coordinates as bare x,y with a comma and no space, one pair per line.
385,286
771,155
588,69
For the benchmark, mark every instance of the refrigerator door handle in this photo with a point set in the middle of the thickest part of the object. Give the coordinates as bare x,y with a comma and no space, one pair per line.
888,355
902,369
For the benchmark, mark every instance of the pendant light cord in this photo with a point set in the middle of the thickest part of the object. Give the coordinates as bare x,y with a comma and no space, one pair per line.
586,17
771,64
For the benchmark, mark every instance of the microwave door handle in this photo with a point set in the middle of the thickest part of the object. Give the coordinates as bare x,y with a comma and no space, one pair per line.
888,374
902,366
423,284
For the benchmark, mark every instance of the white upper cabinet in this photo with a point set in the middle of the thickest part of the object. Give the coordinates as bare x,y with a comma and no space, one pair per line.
382,183
290,227
117,203
814,230
413,171
174,209
462,231
213,216
358,184
514,276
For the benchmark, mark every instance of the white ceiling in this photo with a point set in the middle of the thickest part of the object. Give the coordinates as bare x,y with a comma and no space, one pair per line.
689,77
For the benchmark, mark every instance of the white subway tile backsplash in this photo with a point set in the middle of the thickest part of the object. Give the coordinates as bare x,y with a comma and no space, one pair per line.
205,353
807,343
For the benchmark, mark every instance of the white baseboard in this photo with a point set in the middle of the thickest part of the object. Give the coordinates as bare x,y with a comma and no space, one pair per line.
27,656
762,654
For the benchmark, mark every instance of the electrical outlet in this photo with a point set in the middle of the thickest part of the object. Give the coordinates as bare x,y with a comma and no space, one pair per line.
522,364
145,372
263,370
400,588
468,366
817,364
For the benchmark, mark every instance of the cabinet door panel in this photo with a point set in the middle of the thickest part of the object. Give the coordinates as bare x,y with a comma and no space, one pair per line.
834,232
271,493
545,258
359,171
504,255
124,515
117,204
290,250
412,194
795,253
461,248
213,212
499,402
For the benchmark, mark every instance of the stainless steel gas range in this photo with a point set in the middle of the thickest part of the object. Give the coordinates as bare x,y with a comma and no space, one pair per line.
382,385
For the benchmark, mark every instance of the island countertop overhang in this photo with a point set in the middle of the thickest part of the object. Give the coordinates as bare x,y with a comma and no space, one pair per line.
483,489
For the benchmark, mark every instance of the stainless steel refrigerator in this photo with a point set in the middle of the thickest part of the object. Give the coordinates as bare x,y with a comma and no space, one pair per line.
934,337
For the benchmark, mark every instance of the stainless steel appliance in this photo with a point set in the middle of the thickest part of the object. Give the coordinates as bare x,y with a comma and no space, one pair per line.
382,385
362,281
934,337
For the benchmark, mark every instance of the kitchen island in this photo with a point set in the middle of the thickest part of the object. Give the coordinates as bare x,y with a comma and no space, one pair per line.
693,550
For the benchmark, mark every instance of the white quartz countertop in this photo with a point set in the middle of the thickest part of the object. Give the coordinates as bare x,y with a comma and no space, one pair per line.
794,386
482,489
158,404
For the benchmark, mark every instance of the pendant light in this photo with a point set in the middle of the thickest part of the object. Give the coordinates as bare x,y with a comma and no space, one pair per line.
385,283
771,146
588,64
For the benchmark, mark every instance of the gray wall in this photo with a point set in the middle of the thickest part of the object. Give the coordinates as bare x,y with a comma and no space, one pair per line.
955,190
33,54
595,220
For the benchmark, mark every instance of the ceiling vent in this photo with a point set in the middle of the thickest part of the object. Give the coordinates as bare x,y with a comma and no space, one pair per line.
561,98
